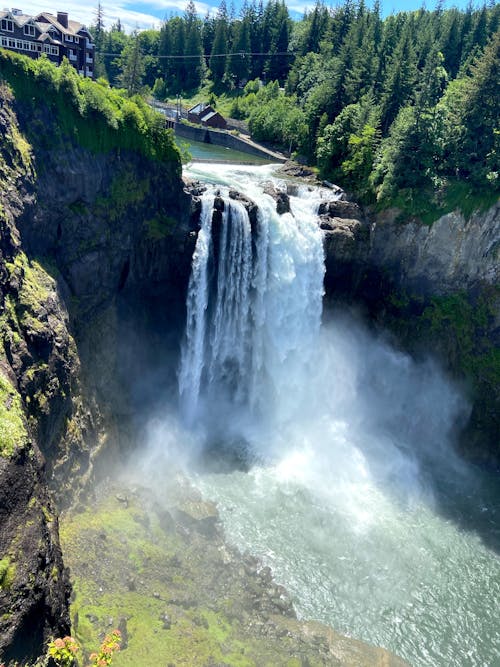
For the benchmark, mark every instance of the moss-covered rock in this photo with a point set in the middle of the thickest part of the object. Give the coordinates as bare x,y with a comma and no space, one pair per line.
159,569
82,170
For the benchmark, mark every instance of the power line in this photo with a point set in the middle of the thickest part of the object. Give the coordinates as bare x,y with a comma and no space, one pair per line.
215,55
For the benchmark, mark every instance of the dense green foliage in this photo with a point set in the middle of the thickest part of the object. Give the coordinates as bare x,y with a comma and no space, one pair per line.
402,110
89,113
13,433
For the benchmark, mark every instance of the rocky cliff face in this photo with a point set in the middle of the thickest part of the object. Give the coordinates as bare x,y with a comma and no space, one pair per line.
451,255
86,241
437,288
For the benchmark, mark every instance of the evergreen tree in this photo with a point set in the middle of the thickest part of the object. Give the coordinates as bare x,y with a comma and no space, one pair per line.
239,62
98,32
164,51
220,45
471,109
207,34
278,64
179,65
401,79
132,66
193,49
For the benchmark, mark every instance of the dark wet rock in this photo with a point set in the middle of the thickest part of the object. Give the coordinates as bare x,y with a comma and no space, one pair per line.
122,499
249,204
280,197
340,209
198,515
122,627
296,170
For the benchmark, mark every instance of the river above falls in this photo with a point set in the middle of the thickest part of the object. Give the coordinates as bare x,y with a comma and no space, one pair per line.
341,474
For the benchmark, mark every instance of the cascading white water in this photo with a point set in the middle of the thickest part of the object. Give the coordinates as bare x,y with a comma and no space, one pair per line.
254,307
354,498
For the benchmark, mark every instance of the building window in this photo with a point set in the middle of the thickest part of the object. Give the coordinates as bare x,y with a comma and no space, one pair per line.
12,43
7,25
69,38
4,41
51,50
77,40
29,30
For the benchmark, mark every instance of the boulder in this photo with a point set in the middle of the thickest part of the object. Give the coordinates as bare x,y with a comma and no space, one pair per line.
280,197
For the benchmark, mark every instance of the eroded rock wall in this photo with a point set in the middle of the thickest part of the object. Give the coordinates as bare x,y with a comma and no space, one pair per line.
437,288
89,244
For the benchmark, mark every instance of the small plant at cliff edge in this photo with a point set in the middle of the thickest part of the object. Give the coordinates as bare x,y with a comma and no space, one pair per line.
63,651
110,645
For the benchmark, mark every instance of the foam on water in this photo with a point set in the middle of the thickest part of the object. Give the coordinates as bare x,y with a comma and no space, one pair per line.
350,441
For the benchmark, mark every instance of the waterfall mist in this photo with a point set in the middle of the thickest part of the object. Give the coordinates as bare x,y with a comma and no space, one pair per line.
328,451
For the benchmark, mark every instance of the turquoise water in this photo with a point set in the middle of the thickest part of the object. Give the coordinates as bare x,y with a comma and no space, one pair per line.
201,151
352,492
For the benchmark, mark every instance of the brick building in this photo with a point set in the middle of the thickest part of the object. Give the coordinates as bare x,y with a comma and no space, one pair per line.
56,36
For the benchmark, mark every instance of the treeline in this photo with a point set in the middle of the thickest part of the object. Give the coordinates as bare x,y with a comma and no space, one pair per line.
177,58
389,108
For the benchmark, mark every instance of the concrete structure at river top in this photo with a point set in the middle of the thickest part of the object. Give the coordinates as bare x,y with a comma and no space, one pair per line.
55,36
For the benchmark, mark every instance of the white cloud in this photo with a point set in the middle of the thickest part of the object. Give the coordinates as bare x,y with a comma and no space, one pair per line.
300,7
127,12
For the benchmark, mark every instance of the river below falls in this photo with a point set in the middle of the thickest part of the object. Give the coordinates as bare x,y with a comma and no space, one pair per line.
350,490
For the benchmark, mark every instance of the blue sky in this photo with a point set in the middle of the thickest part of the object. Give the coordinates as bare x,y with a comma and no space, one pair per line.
148,14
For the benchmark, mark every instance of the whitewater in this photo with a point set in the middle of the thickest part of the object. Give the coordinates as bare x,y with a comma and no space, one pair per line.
334,451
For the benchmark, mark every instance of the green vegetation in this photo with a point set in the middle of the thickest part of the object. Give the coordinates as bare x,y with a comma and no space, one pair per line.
176,594
160,227
13,434
401,111
7,573
88,113
125,192
458,324
464,319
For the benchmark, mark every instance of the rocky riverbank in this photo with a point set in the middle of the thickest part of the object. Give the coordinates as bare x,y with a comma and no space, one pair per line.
157,566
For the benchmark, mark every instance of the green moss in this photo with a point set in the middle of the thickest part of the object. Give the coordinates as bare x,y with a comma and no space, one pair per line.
78,207
464,321
13,434
126,191
111,544
7,573
23,148
160,227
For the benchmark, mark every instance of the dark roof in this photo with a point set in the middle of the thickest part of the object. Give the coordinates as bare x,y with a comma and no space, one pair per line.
44,21
209,115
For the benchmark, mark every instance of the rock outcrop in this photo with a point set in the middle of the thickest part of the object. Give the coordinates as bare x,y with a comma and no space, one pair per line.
452,254
436,287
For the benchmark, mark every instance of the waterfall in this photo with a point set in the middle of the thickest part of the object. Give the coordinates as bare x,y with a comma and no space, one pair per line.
253,308
350,490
